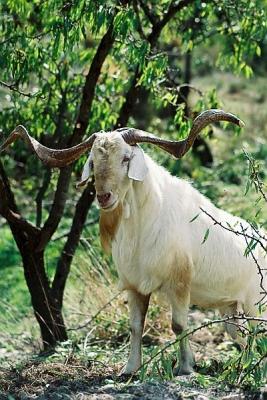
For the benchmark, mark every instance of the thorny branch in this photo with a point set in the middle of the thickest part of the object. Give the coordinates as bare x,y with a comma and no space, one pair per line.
260,269
254,240
188,333
254,176
238,233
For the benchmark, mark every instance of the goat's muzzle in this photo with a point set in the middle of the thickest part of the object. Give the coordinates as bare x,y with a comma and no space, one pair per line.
105,199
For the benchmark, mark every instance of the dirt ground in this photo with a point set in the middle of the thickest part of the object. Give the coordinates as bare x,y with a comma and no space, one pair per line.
91,380
55,381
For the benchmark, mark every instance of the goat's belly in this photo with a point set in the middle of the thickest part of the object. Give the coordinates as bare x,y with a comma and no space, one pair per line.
219,287
212,298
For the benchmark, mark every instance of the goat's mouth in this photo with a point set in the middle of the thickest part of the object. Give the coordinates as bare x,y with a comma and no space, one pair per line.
109,205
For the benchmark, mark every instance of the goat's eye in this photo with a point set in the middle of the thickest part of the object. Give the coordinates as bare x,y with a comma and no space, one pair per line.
91,165
125,159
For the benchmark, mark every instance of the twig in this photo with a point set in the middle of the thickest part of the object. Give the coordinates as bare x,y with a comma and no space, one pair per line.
207,324
12,86
254,175
95,315
264,247
260,269
65,234
246,236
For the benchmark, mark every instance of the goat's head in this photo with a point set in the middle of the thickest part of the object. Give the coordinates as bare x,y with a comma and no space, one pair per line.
112,162
115,156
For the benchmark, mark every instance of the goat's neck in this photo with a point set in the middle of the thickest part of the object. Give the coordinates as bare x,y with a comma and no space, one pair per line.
143,196
142,199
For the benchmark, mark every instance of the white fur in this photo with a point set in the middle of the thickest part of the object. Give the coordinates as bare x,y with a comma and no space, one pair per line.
158,233
156,247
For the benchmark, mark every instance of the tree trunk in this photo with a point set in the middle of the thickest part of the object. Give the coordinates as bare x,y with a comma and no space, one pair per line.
64,262
46,311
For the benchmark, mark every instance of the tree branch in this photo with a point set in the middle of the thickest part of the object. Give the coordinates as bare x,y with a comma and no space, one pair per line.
8,206
231,318
80,128
150,16
40,196
134,91
64,262
13,87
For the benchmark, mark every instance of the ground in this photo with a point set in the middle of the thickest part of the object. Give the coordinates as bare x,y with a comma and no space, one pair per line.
65,374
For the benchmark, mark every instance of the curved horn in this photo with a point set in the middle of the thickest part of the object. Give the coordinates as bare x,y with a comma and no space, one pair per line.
51,157
179,148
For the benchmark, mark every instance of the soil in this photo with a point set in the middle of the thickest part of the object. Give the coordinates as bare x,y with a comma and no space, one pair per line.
76,379
55,381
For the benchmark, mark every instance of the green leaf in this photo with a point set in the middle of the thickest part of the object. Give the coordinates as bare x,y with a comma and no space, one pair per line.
258,51
206,236
195,217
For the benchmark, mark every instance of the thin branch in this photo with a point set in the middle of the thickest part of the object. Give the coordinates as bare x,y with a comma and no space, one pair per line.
8,206
13,87
238,233
246,236
254,175
85,324
260,269
205,325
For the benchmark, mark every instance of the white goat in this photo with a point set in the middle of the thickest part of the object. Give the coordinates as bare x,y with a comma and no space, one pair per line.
146,219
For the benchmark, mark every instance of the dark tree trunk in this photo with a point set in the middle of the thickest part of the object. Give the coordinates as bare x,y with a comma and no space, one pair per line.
46,311
74,235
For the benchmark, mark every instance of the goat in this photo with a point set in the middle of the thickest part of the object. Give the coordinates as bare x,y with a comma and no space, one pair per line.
146,221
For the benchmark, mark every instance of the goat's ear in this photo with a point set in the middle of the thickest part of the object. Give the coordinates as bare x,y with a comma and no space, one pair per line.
137,166
87,170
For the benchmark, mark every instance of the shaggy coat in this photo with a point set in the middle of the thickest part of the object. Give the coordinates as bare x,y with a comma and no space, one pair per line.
158,237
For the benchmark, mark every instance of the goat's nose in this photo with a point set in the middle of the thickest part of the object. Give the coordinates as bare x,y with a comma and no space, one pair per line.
103,198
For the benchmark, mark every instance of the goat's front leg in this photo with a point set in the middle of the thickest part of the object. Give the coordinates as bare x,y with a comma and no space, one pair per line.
180,307
138,305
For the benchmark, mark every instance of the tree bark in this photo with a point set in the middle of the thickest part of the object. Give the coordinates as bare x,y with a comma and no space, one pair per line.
67,254
46,310
47,313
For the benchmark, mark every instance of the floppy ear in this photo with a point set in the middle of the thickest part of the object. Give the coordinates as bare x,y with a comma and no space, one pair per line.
137,165
87,169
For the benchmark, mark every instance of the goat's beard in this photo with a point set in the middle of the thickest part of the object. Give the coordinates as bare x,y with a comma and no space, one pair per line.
108,225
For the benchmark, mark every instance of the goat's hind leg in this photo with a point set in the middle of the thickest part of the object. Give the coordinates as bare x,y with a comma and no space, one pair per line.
180,307
138,305
231,327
